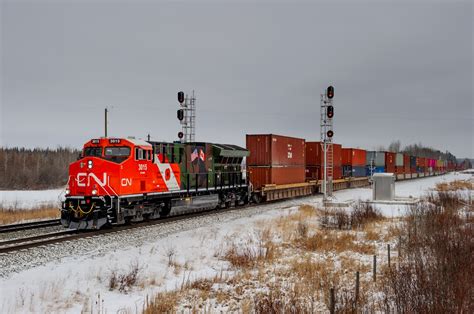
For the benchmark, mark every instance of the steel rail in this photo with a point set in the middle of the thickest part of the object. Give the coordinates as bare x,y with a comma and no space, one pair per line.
29,225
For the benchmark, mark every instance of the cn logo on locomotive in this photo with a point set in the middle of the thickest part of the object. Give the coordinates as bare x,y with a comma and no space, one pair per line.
82,176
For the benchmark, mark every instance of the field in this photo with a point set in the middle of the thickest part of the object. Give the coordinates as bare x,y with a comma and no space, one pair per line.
21,206
288,257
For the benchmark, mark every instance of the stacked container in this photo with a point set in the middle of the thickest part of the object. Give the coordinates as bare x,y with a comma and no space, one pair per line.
399,163
420,164
390,159
406,164
353,162
412,164
375,162
431,165
439,165
275,159
315,161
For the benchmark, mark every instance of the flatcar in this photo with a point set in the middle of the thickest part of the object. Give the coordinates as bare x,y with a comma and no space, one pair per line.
121,180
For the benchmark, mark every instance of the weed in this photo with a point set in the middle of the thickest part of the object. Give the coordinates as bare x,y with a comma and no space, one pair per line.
124,282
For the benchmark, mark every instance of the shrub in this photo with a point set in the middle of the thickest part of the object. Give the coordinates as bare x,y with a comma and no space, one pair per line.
123,282
436,272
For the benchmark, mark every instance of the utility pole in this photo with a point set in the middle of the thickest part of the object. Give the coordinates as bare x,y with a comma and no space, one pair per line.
105,124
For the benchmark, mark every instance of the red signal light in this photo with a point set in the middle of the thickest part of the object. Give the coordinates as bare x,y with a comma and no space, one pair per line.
330,111
330,92
180,114
181,97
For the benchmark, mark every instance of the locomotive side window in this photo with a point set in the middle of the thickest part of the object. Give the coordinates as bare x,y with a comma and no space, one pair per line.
138,153
93,152
117,154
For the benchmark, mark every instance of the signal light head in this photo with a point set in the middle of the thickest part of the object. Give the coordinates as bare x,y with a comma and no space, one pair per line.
180,114
330,92
181,97
180,135
330,111
330,133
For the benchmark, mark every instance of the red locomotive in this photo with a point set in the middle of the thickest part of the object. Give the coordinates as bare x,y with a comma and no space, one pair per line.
120,180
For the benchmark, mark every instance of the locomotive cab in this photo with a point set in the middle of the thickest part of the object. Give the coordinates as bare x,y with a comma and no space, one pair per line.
97,178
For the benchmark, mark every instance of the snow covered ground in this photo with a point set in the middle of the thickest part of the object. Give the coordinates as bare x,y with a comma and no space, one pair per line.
80,281
30,199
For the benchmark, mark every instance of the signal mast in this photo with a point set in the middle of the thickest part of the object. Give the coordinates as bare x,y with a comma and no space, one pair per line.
327,115
187,117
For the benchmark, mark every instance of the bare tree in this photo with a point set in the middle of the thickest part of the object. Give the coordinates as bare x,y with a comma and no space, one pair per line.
395,146
22,168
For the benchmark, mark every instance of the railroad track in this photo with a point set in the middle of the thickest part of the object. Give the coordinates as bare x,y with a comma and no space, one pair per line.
37,240
11,246
30,225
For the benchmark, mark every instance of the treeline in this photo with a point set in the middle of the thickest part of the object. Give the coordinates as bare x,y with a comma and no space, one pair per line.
428,152
420,150
22,169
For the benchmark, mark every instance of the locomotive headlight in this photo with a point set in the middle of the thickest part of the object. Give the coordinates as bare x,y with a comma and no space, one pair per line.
89,164
68,191
94,192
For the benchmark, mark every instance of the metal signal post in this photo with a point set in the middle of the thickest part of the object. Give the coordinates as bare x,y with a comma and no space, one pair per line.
327,115
187,117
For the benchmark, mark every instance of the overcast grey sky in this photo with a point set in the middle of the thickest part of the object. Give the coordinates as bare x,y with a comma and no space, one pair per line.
400,70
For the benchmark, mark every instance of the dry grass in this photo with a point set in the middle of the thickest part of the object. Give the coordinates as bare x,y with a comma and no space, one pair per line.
393,232
249,254
334,241
454,186
289,266
285,225
16,215
361,215
164,302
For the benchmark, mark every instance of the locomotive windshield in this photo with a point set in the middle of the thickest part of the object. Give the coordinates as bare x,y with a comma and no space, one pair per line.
93,152
117,154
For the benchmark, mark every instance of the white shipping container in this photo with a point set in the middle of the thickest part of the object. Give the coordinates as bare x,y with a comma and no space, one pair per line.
399,160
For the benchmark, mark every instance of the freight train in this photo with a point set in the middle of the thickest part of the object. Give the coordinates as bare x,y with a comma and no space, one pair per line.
122,180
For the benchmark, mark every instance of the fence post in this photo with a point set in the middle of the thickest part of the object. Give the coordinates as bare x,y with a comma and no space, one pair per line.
399,246
388,249
375,268
357,288
332,305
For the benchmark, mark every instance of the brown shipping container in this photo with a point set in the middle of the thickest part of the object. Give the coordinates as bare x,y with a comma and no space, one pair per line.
353,157
399,169
336,172
315,156
406,163
312,173
260,176
390,162
275,150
